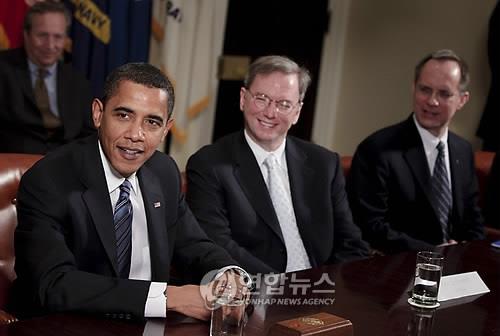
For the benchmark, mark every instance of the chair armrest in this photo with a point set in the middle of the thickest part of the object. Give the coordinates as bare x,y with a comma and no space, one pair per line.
492,234
6,318
5,285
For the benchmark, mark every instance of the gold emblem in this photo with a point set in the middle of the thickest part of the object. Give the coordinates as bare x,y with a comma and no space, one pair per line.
312,321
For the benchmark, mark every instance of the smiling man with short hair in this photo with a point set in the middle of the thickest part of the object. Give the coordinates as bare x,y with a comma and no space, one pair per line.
102,219
413,185
44,103
274,202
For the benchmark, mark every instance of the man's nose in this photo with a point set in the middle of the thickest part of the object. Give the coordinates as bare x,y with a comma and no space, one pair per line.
270,111
51,42
136,131
433,99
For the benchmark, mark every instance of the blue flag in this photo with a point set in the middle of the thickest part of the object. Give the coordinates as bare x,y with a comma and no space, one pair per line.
106,34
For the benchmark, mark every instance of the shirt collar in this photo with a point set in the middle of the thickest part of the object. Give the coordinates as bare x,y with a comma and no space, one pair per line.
113,178
51,70
428,139
261,154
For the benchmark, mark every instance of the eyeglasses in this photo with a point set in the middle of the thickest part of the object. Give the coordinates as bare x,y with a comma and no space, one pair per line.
262,101
441,95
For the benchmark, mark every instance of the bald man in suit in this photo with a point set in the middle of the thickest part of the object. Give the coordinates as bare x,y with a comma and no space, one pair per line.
391,187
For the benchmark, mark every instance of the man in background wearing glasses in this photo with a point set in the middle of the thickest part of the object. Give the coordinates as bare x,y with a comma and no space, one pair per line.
274,202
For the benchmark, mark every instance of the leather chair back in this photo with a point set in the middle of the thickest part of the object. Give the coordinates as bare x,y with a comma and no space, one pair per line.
345,163
12,167
483,161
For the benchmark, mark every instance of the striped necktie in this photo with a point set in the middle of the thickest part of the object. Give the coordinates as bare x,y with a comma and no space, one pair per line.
122,218
442,191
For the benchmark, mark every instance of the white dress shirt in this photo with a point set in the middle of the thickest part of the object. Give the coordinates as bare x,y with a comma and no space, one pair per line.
261,155
50,82
140,262
430,147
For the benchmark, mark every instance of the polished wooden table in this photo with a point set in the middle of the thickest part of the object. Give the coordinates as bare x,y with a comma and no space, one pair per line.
371,293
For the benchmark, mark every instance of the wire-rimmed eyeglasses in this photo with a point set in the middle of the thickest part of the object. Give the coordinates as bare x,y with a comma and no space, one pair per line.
262,101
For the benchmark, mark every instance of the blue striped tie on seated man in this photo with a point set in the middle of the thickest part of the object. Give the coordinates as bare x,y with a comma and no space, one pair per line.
69,204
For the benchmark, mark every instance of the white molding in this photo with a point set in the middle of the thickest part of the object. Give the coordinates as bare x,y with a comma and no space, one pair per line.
330,76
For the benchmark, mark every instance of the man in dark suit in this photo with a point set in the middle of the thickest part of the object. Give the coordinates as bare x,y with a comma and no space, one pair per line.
394,181
76,250
232,184
40,111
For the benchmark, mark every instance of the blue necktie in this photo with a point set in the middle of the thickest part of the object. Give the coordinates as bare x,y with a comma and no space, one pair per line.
442,191
122,218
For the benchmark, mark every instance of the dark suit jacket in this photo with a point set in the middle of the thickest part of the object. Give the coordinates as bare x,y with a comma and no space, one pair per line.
65,240
228,195
390,192
21,127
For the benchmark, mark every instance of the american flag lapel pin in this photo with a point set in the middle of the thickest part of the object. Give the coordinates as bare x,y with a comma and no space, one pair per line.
157,204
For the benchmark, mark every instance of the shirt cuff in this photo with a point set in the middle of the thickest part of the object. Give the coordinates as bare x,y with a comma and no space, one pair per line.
156,303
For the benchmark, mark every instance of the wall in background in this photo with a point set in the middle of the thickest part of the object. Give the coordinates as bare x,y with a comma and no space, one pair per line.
369,57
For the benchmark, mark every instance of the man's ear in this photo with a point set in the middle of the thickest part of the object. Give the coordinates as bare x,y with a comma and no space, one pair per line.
297,113
242,98
168,126
97,112
464,98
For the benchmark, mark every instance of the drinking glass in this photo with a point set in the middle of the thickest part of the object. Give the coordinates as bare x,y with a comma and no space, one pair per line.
228,313
428,270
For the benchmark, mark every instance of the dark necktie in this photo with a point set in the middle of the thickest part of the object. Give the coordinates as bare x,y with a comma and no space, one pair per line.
50,121
442,191
123,229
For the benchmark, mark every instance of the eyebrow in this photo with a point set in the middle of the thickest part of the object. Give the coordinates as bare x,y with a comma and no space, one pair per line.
276,100
129,110
157,118
123,109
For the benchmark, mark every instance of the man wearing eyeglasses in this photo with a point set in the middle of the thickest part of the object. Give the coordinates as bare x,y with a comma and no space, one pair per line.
274,202
412,185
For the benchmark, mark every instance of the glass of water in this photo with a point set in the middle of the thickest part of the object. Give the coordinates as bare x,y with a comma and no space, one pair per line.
428,271
228,313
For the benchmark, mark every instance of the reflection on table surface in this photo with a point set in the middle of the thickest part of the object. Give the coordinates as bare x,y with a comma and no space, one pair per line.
371,293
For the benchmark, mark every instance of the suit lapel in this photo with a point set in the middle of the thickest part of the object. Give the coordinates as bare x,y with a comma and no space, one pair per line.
457,171
154,204
64,96
62,93
417,161
25,81
23,76
96,198
247,173
301,177
98,203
